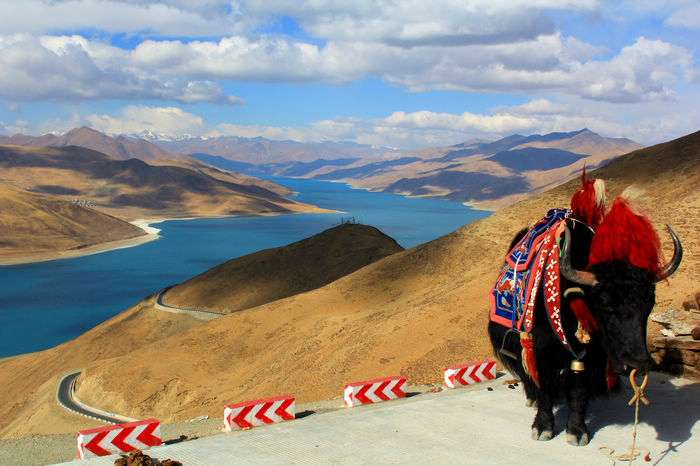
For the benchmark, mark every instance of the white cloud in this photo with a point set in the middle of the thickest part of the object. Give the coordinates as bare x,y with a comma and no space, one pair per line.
235,58
136,119
183,51
474,46
155,18
75,69
679,13
535,107
687,16
412,23
645,70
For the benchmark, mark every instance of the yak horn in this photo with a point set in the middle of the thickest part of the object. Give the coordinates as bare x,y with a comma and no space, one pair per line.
671,267
566,269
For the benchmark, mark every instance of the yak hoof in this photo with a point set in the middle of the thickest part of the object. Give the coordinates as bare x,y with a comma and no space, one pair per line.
542,436
572,439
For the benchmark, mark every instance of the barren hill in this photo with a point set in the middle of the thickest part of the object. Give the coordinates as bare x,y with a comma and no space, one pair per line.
119,147
272,274
33,223
411,314
260,150
135,189
489,175
486,174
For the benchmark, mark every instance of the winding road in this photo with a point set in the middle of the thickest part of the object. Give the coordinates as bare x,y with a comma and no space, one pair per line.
66,388
200,314
66,398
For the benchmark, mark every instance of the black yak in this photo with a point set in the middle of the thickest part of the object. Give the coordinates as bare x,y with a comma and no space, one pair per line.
587,319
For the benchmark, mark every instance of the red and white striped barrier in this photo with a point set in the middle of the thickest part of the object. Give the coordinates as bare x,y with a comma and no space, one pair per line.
373,391
120,438
468,374
258,413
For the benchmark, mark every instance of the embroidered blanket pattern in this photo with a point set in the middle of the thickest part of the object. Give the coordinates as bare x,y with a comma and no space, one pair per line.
517,285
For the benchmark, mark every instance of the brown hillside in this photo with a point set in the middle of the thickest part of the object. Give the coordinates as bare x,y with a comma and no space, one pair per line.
118,147
411,314
225,175
277,273
23,408
134,189
33,224
490,175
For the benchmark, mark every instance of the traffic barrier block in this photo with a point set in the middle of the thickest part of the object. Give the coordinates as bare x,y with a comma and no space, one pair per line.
258,413
120,438
468,374
373,391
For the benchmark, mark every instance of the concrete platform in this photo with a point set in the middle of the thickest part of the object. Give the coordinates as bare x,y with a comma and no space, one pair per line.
471,425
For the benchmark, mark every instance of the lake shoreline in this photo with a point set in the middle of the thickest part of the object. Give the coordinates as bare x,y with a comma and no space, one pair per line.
150,234
78,294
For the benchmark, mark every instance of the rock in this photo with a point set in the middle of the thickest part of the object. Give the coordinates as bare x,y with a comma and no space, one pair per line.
695,333
138,458
680,322
667,333
690,305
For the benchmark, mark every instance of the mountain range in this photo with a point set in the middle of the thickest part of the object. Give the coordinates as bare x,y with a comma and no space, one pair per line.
485,174
66,198
411,313
119,147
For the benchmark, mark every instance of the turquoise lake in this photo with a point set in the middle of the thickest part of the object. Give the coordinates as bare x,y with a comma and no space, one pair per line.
48,303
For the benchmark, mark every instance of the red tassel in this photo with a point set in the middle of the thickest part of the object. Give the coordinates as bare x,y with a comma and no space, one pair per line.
588,204
626,235
528,356
583,315
611,377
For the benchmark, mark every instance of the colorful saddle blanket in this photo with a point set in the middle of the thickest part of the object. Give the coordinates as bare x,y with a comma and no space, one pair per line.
533,261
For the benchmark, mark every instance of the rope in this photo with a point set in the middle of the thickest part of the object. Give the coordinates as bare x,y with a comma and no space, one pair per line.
634,452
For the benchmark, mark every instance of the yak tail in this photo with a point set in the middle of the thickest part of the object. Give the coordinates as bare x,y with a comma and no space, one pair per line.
529,362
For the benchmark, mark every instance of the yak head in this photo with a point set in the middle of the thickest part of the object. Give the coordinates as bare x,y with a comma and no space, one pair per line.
620,282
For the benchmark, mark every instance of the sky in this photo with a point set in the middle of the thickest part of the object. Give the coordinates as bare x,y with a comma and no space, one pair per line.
404,74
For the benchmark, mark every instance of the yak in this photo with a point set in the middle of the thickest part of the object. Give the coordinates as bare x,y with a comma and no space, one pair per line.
572,342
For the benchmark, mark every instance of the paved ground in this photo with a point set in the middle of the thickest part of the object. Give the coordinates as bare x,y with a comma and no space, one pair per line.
463,426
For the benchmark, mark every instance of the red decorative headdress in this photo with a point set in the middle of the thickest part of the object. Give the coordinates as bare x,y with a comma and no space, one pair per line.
626,235
588,203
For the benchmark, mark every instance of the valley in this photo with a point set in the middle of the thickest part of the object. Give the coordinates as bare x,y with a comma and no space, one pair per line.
410,313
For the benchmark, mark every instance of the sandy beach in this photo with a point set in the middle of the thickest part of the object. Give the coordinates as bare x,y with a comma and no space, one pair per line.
150,234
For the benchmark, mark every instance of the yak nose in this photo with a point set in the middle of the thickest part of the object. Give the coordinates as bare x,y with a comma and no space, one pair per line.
643,365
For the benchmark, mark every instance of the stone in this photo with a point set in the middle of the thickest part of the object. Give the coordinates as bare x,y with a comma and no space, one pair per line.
686,342
679,321
690,305
695,333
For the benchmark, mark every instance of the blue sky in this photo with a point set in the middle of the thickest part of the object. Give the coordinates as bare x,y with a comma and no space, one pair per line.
407,74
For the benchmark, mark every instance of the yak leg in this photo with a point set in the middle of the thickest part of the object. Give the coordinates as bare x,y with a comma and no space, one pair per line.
577,401
543,425
530,390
